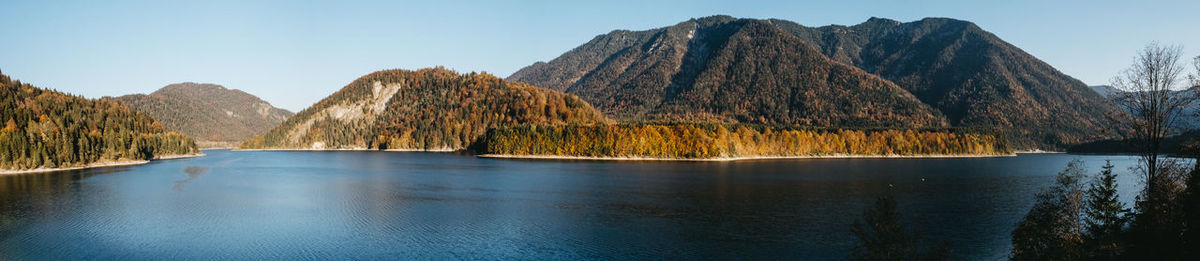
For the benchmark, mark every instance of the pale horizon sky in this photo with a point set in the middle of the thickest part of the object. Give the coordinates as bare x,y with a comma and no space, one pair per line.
293,53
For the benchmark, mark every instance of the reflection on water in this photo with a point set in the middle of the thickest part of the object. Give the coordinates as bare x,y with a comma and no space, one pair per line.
22,194
193,172
360,205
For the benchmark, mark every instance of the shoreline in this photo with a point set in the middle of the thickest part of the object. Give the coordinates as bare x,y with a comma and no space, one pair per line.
730,159
103,164
180,156
723,159
1040,152
353,149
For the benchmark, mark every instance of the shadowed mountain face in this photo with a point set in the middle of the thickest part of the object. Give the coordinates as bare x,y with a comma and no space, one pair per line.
209,112
970,75
880,73
724,69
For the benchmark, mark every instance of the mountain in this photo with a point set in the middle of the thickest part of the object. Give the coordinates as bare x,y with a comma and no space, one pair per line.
214,115
428,109
724,69
881,73
50,129
1104,90
970,75
1189,117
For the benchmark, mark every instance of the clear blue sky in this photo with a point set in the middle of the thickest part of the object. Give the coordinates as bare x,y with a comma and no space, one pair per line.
293,53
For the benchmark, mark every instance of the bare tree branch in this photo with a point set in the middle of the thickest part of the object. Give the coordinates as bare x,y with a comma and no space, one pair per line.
1151,100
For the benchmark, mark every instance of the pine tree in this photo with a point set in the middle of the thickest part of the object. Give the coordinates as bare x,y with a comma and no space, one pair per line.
1191,198
1106,215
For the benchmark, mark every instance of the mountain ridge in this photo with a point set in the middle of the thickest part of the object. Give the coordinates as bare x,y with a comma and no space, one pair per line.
675,72
215,115
967,76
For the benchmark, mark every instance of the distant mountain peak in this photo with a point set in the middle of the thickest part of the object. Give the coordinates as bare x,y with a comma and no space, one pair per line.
190,87
714,19
208,112
883,21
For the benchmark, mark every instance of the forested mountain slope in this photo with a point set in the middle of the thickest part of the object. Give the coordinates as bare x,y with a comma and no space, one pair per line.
881,73
208,112
972,76
724,69
49,129
428,109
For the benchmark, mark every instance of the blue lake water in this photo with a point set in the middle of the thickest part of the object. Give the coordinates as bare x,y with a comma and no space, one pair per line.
385,205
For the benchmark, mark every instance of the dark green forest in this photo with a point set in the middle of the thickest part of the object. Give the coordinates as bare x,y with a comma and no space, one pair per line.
44,128
702,141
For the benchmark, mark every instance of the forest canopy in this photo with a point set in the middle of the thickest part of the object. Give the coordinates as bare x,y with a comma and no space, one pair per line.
705,141
44,128
428,109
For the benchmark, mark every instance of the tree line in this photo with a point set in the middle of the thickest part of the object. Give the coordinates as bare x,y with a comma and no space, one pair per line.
698,141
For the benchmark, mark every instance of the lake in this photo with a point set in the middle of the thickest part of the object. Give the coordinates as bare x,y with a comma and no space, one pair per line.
400,205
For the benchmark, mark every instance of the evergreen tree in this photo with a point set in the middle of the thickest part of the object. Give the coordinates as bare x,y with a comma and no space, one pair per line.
1191,201
1106,215
45,128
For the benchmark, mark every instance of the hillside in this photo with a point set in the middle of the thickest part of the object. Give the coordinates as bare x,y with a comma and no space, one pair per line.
428,109
880,73
726,70
50,129
211,113
972,76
